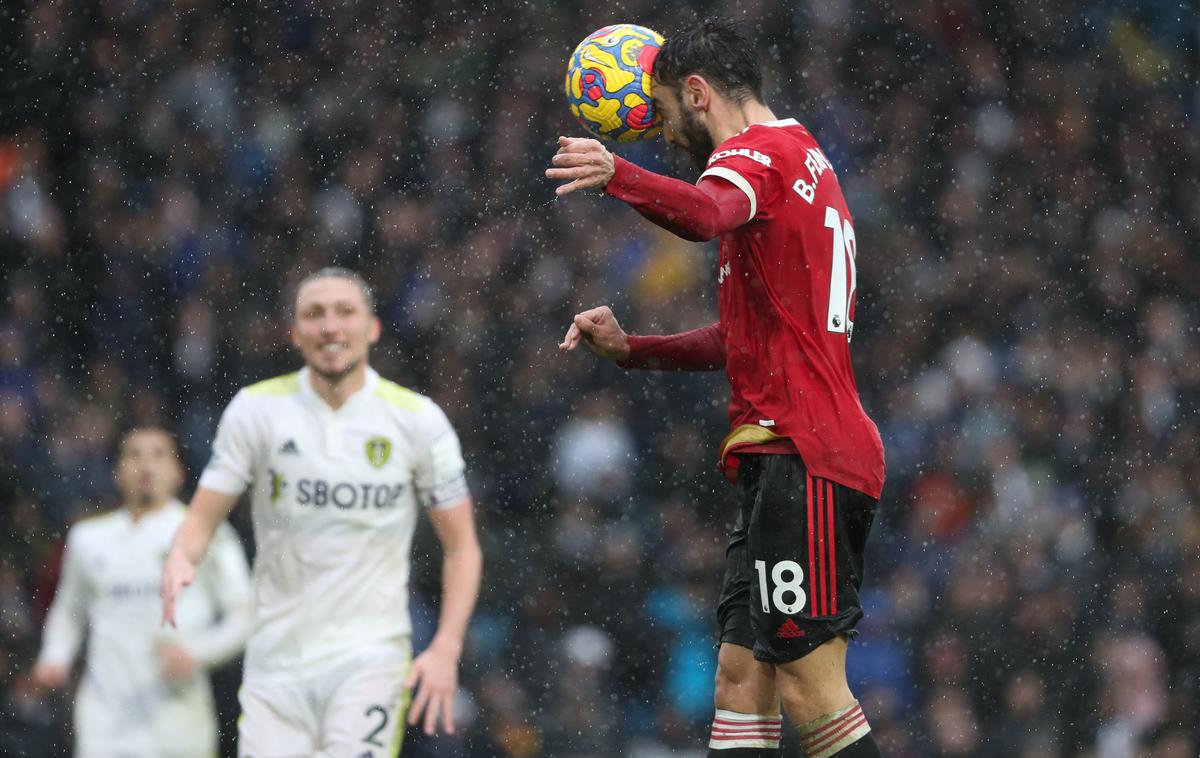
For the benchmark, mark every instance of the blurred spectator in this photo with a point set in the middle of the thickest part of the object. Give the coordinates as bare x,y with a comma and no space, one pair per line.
1023,182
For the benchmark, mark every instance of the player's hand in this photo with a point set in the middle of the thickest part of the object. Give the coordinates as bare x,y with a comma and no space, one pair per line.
50,676
435,675
176,663
600,330
585,162
178,572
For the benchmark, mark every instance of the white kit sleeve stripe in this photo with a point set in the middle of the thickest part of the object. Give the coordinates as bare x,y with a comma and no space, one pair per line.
738,181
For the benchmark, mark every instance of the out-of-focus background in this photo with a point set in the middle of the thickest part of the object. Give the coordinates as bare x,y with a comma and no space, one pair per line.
1023,179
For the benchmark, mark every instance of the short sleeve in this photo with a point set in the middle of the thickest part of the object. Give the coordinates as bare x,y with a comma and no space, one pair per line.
231,468
440,473
748,164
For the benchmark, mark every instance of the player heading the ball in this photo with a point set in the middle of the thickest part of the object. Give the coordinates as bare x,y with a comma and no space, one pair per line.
339,462
807,461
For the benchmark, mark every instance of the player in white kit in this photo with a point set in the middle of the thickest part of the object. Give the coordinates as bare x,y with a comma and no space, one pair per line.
144,691
339,462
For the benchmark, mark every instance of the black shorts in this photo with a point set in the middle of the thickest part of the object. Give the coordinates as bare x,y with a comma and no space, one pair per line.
794,564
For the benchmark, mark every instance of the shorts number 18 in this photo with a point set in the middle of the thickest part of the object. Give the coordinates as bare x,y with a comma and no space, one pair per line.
783,587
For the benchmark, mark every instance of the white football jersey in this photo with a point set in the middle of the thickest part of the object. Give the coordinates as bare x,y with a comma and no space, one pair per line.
109,591
334,499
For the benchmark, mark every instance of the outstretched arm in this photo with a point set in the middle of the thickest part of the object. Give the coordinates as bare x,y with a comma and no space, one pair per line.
700,349
208,509
695,212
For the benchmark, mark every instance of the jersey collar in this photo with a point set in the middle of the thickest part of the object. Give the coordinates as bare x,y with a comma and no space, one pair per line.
310,395
151,517
777,122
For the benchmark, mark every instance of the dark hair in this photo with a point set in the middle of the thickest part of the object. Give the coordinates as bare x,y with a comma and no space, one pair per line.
721,51
129,431
338,272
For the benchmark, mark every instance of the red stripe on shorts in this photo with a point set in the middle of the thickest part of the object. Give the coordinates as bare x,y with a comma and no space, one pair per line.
822,603
812,551
832,554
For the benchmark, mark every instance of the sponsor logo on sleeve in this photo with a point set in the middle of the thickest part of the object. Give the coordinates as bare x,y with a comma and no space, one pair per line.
743,152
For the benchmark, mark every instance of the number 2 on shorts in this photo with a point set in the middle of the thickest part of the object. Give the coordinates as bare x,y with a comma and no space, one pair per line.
383,720
783,587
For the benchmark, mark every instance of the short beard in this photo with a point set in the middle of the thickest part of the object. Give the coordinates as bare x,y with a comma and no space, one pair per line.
334,377
697,142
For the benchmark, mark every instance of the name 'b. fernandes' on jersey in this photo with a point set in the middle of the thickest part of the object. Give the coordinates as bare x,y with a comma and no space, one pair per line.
334,501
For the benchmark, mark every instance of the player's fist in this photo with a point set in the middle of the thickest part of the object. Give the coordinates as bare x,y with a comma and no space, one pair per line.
50,676
178,572
584,162
600,330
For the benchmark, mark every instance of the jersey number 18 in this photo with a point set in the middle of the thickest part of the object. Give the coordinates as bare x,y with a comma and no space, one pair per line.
841,287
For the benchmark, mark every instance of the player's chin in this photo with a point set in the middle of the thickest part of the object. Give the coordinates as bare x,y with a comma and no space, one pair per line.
334,367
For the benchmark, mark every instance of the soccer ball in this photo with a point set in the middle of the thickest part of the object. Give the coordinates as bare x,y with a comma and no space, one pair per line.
608,82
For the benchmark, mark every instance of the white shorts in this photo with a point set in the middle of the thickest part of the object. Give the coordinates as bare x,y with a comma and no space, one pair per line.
355,710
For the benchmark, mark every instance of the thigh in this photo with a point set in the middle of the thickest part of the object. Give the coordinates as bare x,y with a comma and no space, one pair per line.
733,608
364,715
276,721
804,546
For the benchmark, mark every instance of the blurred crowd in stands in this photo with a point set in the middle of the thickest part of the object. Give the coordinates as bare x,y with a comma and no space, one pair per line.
1023,179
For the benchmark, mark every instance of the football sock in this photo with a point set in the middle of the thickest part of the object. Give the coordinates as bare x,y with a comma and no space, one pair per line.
744,735
844,733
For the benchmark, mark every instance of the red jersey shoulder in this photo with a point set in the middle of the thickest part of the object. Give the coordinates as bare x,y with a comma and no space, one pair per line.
750,160
772,162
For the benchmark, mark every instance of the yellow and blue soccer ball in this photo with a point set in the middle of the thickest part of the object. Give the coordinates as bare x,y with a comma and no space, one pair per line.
608,82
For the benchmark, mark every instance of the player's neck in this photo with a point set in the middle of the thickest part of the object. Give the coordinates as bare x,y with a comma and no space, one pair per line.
727,119
335,391
138,507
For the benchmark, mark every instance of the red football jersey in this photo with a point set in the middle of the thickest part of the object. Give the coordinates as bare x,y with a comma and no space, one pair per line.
786,289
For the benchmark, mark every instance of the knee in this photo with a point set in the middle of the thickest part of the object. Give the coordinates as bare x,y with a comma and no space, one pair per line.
808,692
743,684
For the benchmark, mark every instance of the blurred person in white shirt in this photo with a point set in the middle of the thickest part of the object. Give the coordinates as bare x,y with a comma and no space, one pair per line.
145,689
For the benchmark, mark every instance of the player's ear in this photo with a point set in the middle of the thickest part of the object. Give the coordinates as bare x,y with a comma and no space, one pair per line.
376,329
696,92
295,334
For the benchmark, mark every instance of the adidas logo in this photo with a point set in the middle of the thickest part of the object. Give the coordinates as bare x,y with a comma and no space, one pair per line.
788,630
289,447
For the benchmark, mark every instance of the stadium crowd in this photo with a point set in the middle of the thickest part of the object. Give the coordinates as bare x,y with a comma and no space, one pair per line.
1023,178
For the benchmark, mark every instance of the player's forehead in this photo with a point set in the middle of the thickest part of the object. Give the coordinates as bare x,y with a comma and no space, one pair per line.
146,441
660,92
327,291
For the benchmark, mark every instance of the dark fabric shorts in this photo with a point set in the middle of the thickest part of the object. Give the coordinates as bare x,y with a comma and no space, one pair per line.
794,563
